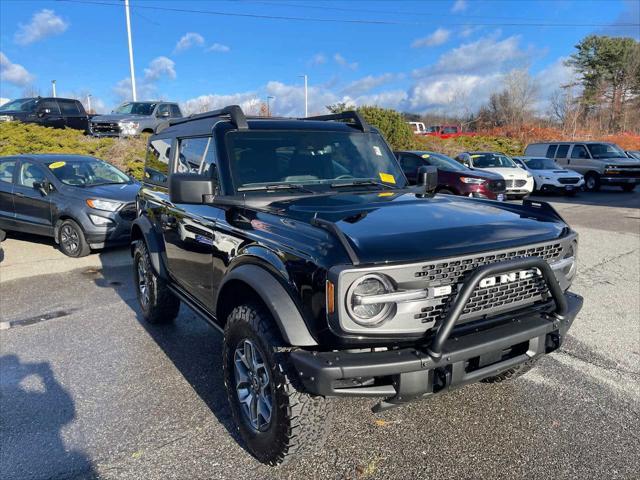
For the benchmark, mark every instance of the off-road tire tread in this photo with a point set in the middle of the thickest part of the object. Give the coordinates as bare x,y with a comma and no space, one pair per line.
164,305
309,415
512,373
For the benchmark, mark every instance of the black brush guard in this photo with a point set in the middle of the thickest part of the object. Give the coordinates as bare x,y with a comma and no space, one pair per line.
446,361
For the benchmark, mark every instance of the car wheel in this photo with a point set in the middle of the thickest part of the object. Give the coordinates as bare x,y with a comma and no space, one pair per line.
157,302
512,373
628,188
275,417
592,182
71,240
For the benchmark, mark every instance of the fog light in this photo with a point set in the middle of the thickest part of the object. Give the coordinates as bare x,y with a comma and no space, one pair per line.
100,221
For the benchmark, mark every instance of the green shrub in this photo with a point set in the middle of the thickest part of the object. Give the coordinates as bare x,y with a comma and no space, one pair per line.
392,126
18,138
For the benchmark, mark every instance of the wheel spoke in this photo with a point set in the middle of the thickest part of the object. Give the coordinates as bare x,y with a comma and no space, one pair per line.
253,385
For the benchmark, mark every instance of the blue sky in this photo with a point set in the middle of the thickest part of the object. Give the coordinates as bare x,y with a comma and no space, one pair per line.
438,56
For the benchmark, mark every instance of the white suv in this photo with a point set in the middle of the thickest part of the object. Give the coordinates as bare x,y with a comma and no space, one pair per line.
550,177
519,182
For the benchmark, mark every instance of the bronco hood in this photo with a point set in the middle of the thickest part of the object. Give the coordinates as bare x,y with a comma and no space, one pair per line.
401,227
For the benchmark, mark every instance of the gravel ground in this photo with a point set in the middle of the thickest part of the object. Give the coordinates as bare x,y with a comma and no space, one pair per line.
89,391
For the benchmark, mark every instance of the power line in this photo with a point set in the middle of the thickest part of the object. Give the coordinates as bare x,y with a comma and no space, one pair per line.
348,21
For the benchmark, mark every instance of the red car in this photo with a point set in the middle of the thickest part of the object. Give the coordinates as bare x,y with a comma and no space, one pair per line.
453,177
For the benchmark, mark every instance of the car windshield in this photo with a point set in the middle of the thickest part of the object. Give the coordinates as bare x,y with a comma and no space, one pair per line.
83,173
492,160
605,150
323,158
442,162
433,129
20,105
136,108
450,130
541,164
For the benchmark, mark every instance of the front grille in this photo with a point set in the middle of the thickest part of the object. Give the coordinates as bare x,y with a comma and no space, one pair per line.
568,181
110,128
128,212
483,300
516,183
624,171
496,185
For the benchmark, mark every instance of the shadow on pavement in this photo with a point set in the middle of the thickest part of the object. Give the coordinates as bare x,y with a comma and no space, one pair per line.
606,197
31,444
194,347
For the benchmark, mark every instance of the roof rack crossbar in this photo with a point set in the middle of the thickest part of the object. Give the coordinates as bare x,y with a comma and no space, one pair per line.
349,115
235,113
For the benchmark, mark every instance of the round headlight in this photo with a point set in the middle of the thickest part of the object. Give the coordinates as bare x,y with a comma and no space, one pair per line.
365,313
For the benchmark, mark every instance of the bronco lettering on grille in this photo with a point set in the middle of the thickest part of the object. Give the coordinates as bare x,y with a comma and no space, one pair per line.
508,278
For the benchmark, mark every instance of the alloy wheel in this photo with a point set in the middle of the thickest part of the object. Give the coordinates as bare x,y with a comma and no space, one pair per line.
143,284
253,385
69,239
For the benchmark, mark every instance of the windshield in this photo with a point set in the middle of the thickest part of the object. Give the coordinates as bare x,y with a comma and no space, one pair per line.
136,108
492,160
20,105
433,129
443,162
311,158
83,173
605,150
542,164
450,130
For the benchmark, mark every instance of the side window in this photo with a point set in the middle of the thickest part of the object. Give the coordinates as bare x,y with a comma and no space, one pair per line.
551,151
156,165
579,151
29,174
409,163
196,156
50,104
68,107
562,151
175,111
7,167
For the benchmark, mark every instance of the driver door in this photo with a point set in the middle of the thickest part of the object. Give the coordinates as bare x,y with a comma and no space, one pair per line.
32,207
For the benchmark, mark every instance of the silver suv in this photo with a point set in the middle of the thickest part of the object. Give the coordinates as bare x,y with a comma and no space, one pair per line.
134,118
601,163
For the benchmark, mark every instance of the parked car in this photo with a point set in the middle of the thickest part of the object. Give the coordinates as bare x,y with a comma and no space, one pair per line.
46,111
82,202
418,128
550,177
600,163
134,118
330,275
518,181
453,177
633,154
448,131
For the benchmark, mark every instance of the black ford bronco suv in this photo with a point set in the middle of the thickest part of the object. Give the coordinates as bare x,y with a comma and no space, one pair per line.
330,276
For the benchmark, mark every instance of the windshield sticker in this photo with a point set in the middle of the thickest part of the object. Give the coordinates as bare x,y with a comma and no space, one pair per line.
377,151
426,155
387,178
55,165
476,156
386,194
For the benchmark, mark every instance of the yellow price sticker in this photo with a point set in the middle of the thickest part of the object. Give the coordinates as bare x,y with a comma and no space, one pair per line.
55,165
476,156
426,155
387,178
385,194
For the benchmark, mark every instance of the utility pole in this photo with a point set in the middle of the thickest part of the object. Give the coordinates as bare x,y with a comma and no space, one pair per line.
133,73
53,88
89,103
306,95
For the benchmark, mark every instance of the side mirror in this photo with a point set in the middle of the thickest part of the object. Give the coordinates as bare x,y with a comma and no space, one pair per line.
194,189
44,111
428,179
43,187
163,115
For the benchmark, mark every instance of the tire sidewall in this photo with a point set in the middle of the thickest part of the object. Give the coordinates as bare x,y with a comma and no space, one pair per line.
142,255
596,182
82,249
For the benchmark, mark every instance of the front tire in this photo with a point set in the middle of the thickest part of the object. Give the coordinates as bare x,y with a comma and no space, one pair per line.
275,418
592,182
71,240
157,302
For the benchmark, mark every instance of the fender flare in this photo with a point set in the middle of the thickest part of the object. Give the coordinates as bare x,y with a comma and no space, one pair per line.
153,243
280,304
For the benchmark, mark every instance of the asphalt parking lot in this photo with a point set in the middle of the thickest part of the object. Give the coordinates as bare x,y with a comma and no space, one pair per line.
89,391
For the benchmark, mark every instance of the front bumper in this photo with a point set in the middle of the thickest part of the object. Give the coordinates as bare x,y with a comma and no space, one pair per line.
99,236
619,181
406,374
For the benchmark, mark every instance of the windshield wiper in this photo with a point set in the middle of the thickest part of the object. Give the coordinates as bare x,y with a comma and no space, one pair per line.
276,187
358,183
104,183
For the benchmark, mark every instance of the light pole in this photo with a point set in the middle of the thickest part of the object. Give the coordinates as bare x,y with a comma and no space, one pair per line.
133,73
306,95
53,88
89,103
268,107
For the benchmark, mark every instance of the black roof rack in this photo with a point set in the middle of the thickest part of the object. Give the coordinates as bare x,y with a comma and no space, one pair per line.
350,115
235,113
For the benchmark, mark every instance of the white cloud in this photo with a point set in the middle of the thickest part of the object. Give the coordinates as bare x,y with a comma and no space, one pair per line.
367,83
318,59
189,40
459,6
158,69
3,100
552,78
14,73
249,101
219,47
440,36
467,31
340,60
44,23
